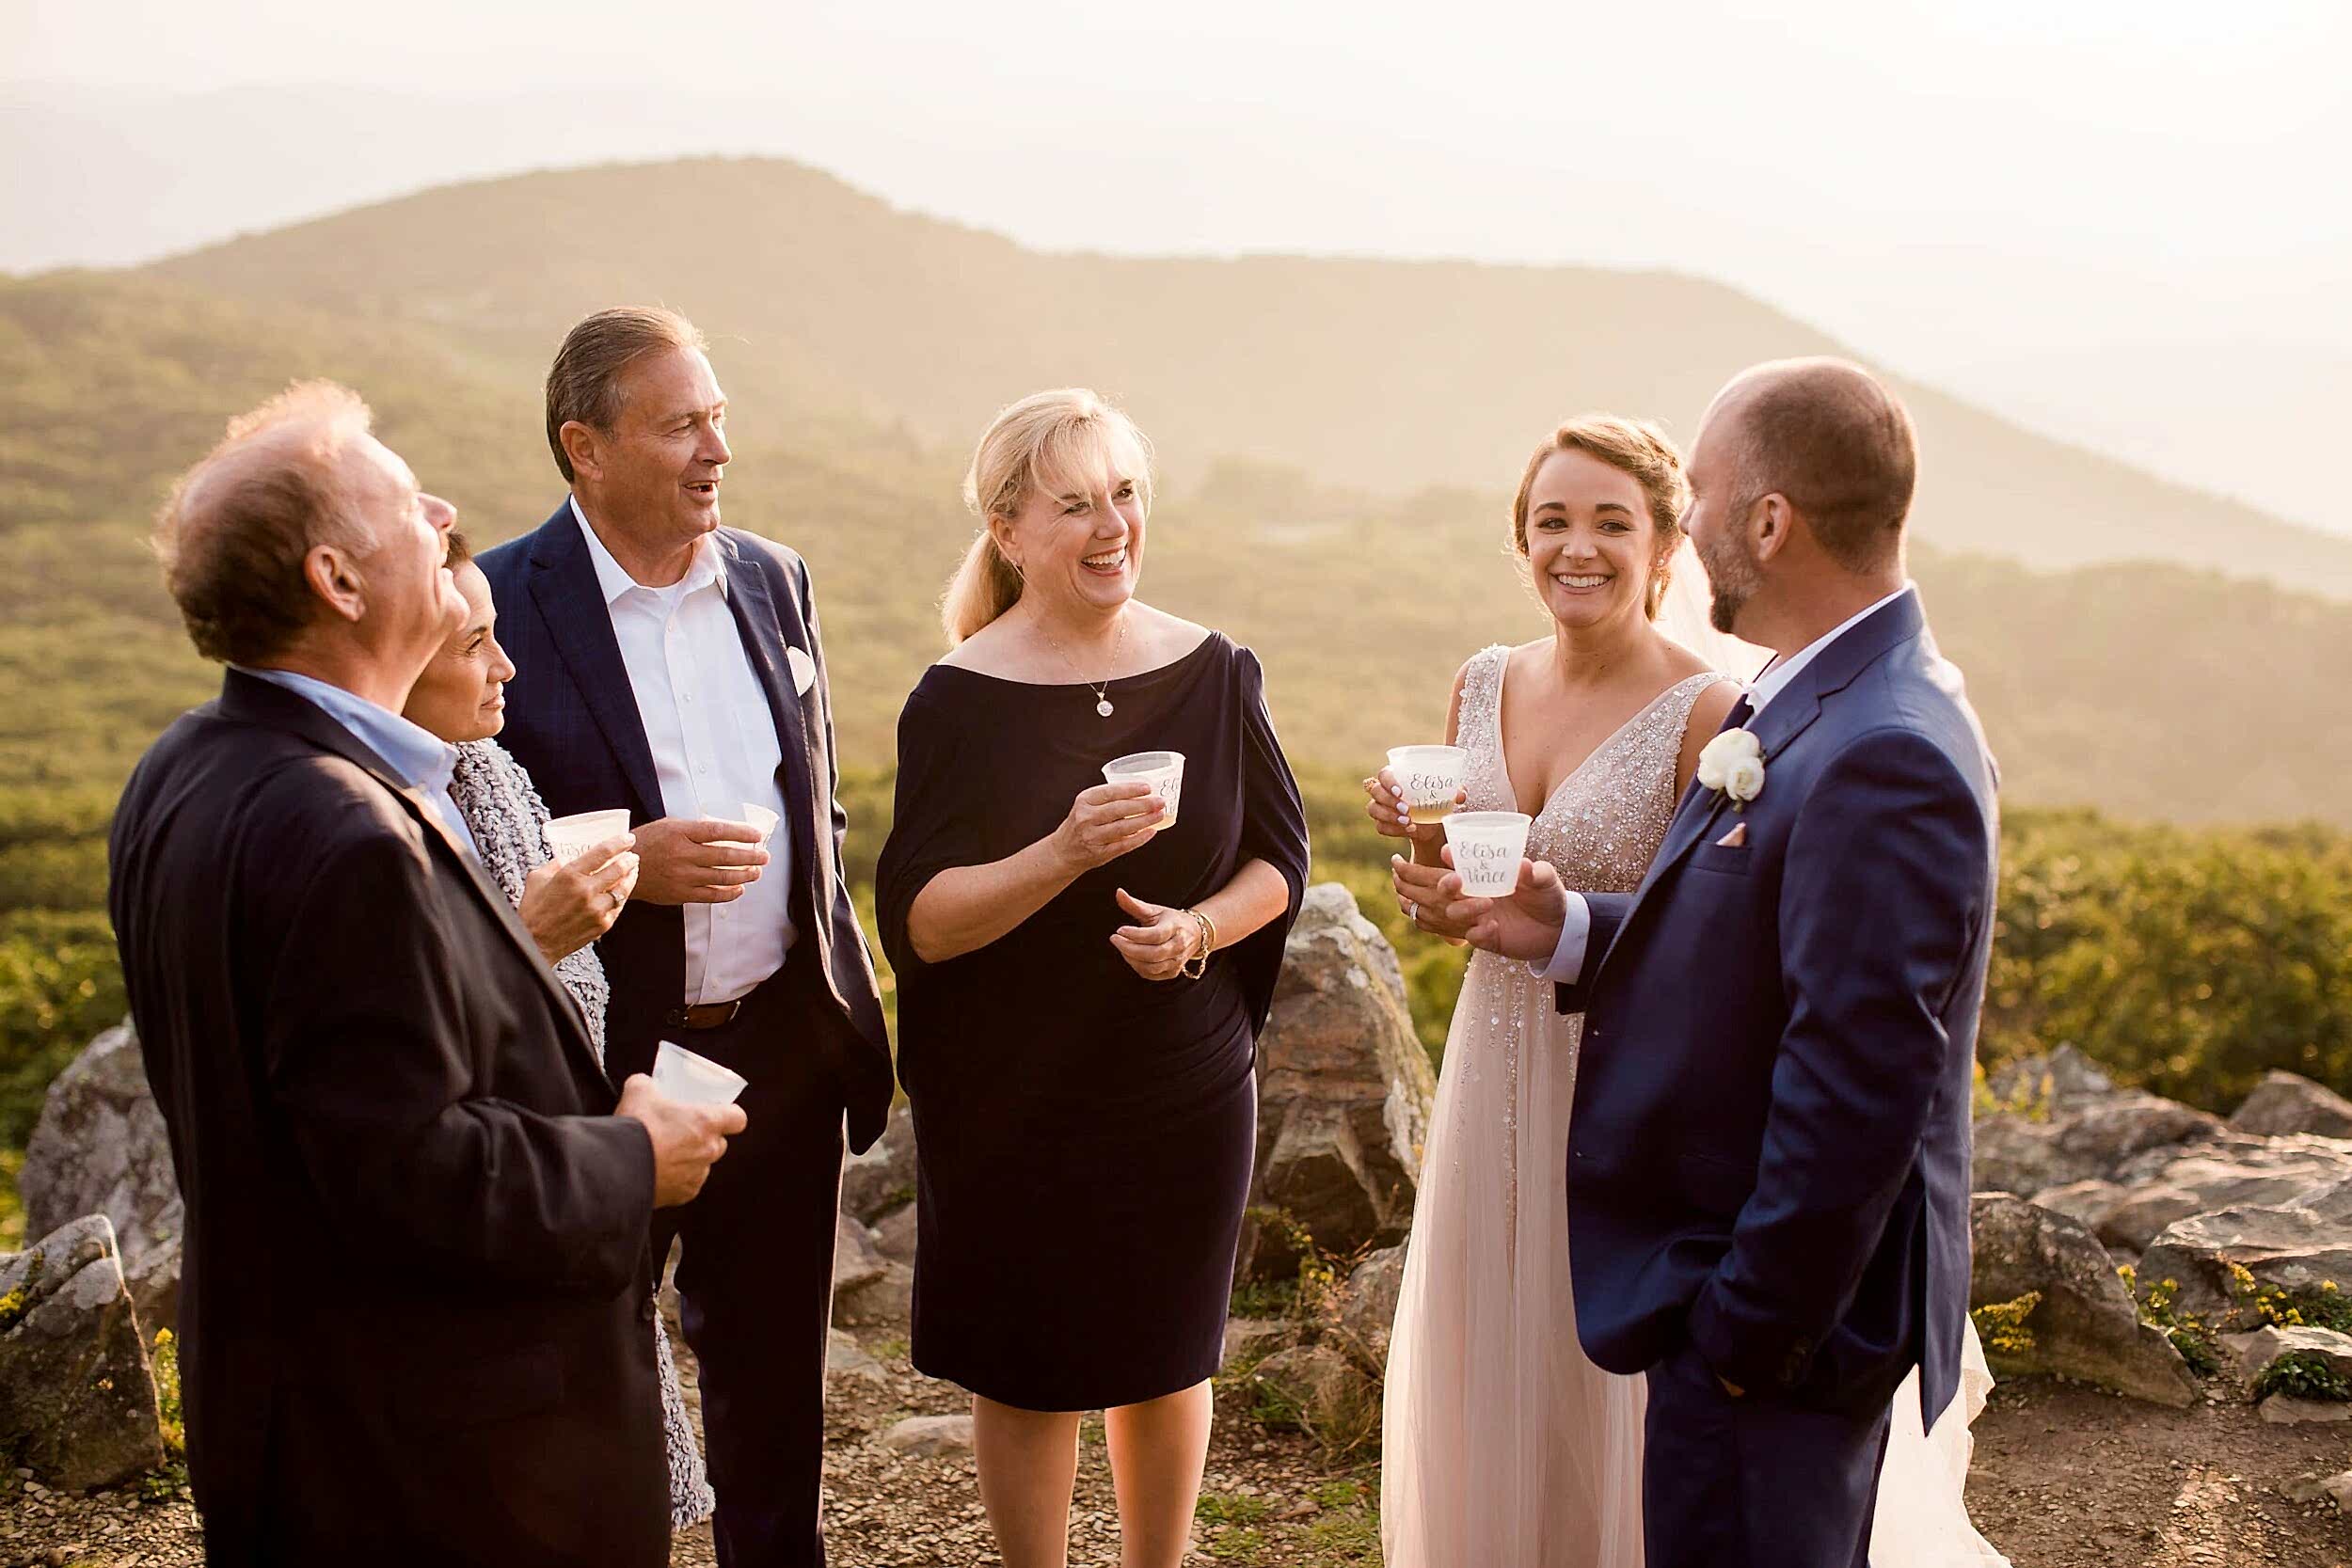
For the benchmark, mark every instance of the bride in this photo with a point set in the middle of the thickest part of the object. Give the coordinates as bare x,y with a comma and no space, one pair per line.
1501,1443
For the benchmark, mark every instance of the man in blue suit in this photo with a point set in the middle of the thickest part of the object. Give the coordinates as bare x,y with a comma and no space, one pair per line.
1768,1158
672,666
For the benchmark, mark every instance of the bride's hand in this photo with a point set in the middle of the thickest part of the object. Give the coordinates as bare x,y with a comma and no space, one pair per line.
1524,923
1385,804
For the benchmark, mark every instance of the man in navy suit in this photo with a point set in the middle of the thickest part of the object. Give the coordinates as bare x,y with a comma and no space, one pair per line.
1768,1158
672,666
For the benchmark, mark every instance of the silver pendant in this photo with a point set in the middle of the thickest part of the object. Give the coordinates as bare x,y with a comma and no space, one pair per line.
1104,708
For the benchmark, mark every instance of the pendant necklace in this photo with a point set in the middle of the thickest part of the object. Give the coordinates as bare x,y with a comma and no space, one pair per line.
1102,689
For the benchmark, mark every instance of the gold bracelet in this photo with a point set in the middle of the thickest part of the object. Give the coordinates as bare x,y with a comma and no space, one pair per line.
1198,965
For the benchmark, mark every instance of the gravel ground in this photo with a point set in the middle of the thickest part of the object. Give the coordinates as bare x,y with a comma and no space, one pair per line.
2065,1478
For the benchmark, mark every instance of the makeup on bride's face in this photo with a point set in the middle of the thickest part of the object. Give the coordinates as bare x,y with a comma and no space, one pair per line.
1589,538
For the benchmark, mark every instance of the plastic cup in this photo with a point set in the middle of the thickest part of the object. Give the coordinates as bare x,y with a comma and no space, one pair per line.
1488,847
1429,777
570,837
762,818
694,1079
1162,770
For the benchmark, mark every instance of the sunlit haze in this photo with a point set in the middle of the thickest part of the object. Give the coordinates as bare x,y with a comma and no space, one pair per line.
2120,222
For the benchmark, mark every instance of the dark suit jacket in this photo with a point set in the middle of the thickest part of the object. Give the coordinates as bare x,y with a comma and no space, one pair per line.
415,1299
1769,1155
571,719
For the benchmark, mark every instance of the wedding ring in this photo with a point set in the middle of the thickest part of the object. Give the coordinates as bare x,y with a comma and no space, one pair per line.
1412,911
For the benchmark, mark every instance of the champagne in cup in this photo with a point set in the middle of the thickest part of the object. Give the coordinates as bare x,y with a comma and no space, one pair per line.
570,837
1488,847
1162,770
1428,778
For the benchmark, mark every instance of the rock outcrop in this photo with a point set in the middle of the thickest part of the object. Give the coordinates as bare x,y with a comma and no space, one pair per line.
875,1182
78,1393
2086,1325
2284,1103
2303,1245
1344,1091
100,1148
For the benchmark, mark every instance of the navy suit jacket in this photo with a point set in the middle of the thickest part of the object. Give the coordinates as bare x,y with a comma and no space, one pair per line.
572,720
1768,1158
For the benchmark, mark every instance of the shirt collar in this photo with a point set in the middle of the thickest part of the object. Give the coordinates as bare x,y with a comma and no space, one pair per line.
1776,679
416,753
613,580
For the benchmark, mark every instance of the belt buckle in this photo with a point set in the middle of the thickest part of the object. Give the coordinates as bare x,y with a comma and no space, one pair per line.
705,1015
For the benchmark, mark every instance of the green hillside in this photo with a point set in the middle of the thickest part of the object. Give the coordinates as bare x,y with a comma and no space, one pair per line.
2149,691
2161,692
1375,375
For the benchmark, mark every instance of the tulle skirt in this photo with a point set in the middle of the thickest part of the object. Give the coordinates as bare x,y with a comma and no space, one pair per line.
1500,1443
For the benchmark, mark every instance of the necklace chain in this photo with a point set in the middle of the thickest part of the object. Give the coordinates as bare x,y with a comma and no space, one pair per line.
1102,689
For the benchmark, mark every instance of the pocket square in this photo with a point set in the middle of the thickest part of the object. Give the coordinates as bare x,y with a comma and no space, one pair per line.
1736,839
804,669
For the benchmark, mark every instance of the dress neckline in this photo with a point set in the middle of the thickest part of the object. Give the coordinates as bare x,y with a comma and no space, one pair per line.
1177,663
1502,757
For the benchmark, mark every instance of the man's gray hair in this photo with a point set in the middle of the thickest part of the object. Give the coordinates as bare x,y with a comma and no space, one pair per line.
585,383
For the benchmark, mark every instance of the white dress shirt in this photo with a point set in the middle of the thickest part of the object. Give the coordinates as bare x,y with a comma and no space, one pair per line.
714,752
1576,929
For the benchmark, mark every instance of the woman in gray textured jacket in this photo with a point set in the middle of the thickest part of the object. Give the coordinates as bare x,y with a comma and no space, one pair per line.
565,906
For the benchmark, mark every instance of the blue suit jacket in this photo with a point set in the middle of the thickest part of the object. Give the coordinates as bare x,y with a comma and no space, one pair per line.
571,719
1768,1158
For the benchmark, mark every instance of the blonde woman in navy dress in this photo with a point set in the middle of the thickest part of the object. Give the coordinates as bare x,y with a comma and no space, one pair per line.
1081,983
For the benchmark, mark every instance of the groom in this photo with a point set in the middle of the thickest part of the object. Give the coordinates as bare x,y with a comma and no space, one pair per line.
1768,1158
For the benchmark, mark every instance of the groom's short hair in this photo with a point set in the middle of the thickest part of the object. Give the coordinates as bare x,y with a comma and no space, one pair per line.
1829,437
585,383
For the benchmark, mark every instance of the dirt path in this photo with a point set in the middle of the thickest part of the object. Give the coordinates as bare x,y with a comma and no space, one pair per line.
2065,1478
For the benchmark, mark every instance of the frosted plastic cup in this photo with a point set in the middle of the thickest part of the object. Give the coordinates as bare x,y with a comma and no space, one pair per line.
1162,770
1428,777
570,837
762,818
694,1079
1488,847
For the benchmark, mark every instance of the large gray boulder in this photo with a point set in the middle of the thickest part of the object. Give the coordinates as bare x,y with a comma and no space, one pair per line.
875,1182
1368,1305
2086,1136
2286,1102
2086,1325
2303,1245
1344,1091
78,1393
2228,1170
100,1148
856,1261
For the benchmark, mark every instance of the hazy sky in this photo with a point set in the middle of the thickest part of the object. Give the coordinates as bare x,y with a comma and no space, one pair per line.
1980,191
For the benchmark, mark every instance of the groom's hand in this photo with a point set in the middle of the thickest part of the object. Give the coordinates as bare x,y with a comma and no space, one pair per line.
1525,924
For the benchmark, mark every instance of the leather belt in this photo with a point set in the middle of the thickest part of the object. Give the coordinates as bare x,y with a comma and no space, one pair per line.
705,1015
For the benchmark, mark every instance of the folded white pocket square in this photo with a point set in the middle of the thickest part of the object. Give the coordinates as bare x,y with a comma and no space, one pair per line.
804,669
1736,839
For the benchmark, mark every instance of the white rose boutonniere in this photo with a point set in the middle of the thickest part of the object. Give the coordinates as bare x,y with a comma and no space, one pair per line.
1733,764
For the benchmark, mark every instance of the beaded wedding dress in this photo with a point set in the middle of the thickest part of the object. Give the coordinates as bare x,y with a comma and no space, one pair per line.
1501,1443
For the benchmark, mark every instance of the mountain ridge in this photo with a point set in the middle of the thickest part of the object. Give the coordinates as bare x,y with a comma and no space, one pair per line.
1385,375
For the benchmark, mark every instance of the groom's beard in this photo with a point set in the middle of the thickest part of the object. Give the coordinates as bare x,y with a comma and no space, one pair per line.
1732,577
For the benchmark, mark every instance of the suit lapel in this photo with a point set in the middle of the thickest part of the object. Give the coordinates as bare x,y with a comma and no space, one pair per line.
258,701
570,601
754,606
1789,715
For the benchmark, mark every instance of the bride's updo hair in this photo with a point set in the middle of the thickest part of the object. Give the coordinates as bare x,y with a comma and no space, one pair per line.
1049,441
1637,448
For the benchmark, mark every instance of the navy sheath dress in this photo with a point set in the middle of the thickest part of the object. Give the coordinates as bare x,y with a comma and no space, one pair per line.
1084,1136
